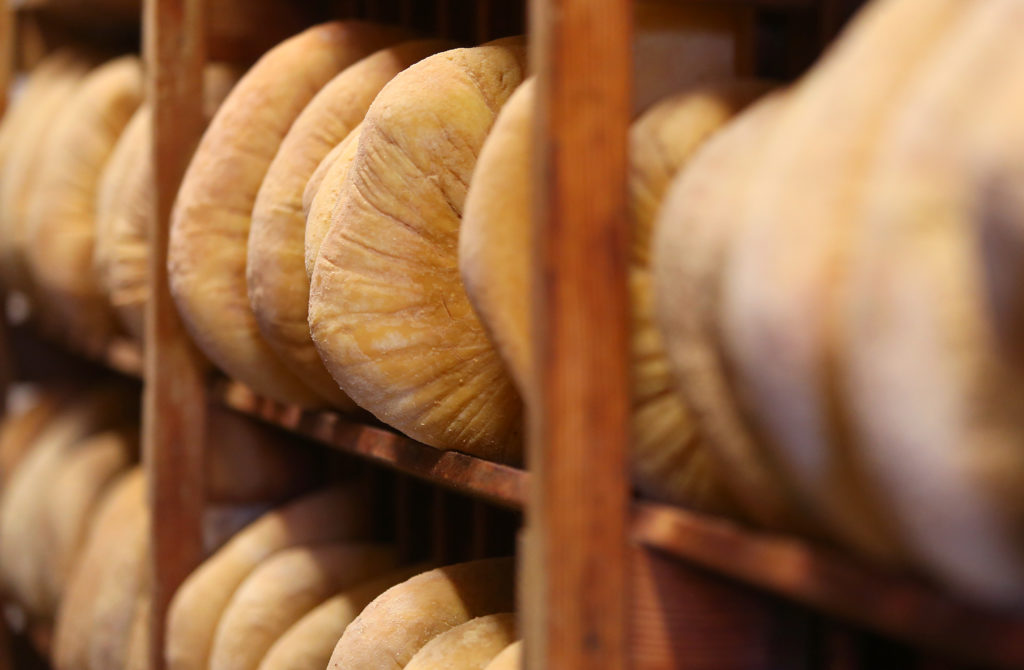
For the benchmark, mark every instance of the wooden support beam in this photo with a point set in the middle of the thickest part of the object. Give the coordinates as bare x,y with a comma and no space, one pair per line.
575,568
174,402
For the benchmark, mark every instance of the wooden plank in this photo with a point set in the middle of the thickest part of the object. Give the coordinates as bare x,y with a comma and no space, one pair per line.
895,605
575,568
174,402
685,618
6,80
501,484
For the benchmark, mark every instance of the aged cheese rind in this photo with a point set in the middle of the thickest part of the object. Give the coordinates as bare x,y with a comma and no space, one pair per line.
276,278
398,623
387,311
213,210
62,212
283,588
469,646
330,515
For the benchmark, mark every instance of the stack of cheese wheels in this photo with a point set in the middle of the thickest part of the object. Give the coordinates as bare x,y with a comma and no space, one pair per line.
213,210
285,587
195,636
309,642
278,285
387,310
48,500
108,597
451,617
62,212
853,341
669,459
125,207
24,131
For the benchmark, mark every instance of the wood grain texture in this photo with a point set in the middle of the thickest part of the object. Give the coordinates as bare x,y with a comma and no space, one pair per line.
174,402
829,582
501,484
574,575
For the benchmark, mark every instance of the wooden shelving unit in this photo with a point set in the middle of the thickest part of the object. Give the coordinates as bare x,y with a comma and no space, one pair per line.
607,581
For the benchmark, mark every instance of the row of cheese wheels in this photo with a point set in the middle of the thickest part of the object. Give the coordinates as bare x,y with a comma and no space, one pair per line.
278,592
267,184
299,589
64,449
823,323
837,279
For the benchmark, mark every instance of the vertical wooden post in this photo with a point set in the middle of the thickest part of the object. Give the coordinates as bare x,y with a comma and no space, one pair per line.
174,402
6,79
575,601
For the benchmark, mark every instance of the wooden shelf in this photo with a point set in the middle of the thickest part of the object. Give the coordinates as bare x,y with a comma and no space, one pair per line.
500,484
827,581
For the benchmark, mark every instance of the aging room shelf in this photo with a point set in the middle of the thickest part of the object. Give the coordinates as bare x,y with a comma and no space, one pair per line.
827,581
501,484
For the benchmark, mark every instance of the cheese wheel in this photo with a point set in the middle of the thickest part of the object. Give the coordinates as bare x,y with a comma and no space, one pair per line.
121,583
308,644
387,309
57,79
114,547
398,623
139,648
788,254
692,236
76,488
62,213
278,286
930,313
333,514
510,658
26,496
668,460
323,195
124,216
212,213
470,646
282,589
125,192
19,430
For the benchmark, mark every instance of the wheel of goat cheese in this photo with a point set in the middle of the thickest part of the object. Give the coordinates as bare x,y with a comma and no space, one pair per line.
308,644
283,588
669,462
387,309
79,482
403,619
692,238
930,314
115,544
510,658
213,211
51,86
278,286
330,515
469,646
323,195
62,213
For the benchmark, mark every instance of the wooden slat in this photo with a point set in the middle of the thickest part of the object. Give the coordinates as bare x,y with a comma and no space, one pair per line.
575,568
501,484
827,581
6,79
174,403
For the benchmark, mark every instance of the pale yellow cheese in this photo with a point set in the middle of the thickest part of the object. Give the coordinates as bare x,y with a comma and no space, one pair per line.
387,309
213,210
398,623
469,646
278,286
333,514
